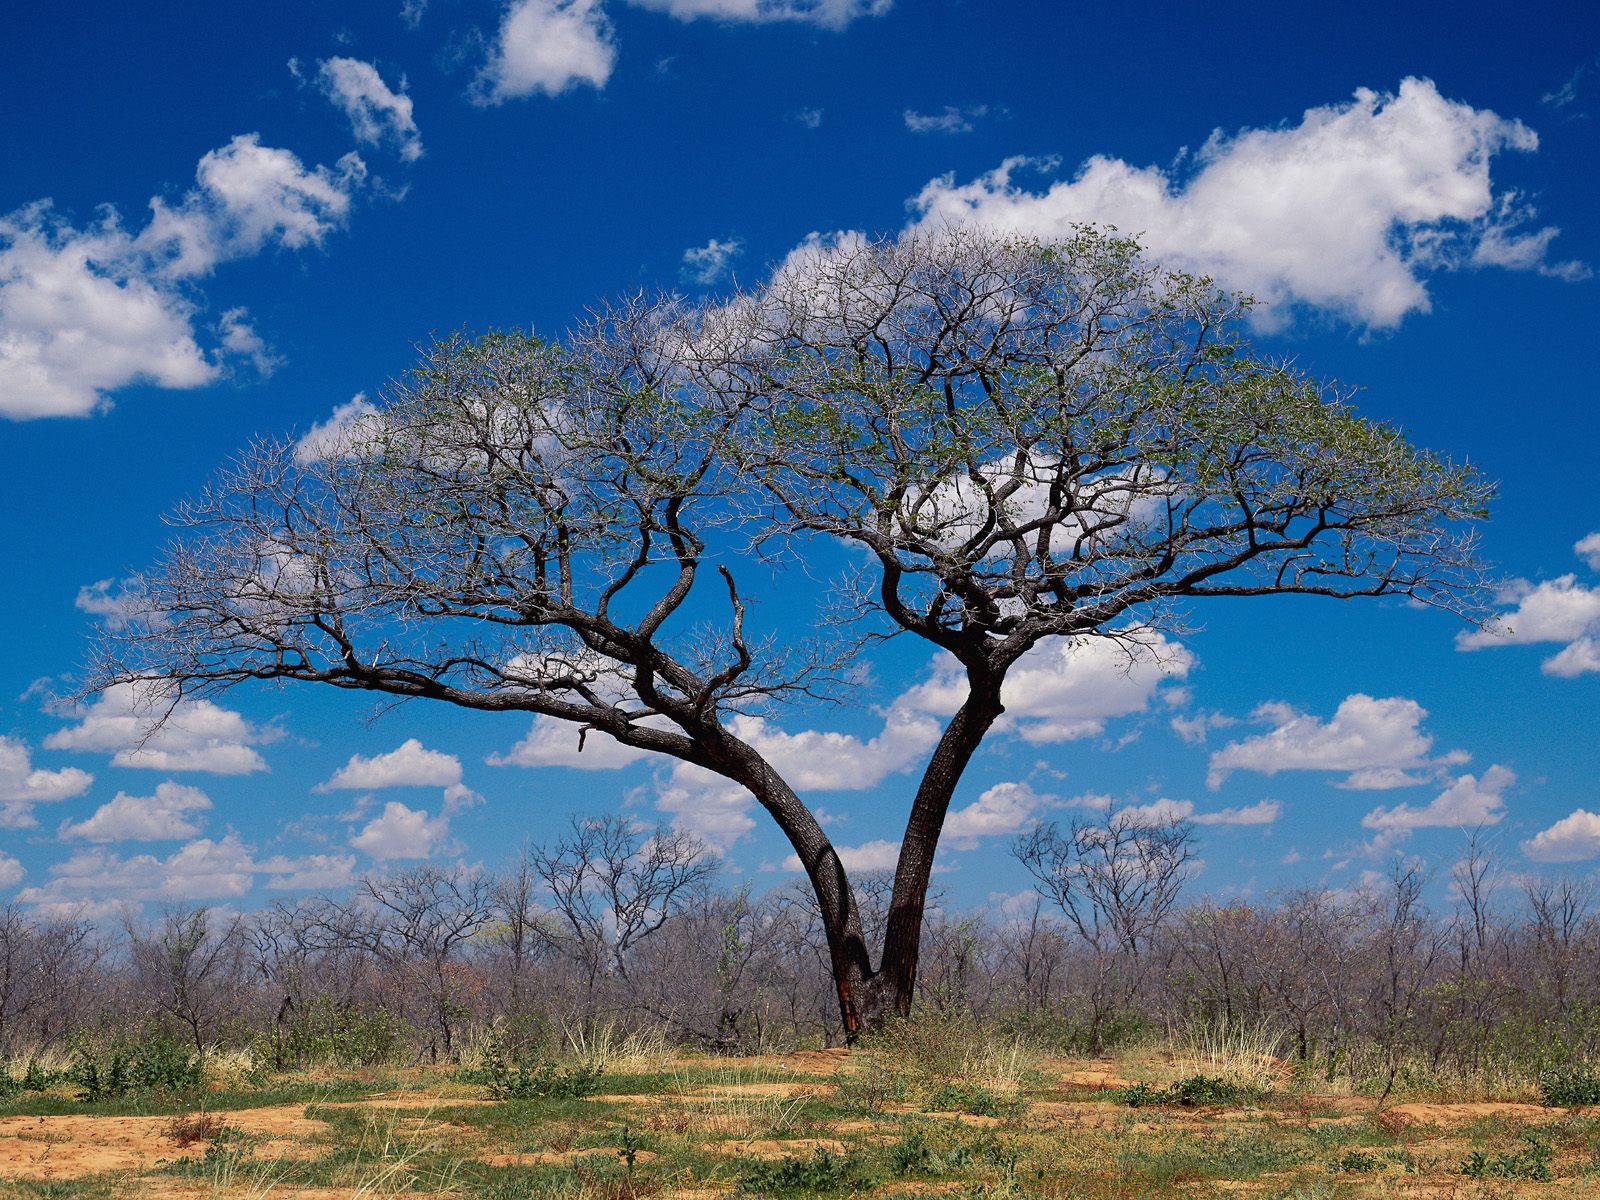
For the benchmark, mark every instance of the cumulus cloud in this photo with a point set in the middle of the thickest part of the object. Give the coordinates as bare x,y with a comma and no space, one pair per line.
1157,812
1003,809
950,120
11,871
162,817
551,46
877,855
1556,610
547,46
199,870
1347,212
238,339
378,115
1068,688
1573,838
707,264
1467,803
1588,549
411,764
348,424
828,14
401,832
22,785
138,728
552,742
85,311
1378,742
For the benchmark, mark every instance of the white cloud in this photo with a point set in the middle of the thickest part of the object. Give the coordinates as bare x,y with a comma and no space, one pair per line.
348,424
1347,212
828,14
22,785
1556,610
237,338
1571,839
378,115
200,870
1588,549
705,804
951,120
811,118
1263,812
11,871
411,764
1467,803
707,264
812,760
1004,808
86,311
1068,688
547,46
877,855
315,872
97,880
196,735
552,742
401,832
1192,731
161,817
1372,739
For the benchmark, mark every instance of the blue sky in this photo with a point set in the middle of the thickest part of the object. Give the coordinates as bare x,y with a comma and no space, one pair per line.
225,222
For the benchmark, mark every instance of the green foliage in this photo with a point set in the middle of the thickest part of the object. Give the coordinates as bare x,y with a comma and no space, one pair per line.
1356,1162
327,1033
1062,1032
823,1171
34,1079
154,1064
1570,1086
1192,1092
914,1154
541,1079
968,1098
1531,1161
867,1091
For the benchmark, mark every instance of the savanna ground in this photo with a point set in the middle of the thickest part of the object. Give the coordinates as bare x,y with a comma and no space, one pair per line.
934,1107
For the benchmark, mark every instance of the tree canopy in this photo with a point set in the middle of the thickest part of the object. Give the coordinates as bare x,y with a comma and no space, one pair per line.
1027,441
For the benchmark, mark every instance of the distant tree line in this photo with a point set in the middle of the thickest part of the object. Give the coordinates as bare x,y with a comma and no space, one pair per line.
633,928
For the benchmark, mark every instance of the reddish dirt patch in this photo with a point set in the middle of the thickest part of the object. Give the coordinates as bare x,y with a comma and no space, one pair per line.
1459,1114
1095,1078
69,1146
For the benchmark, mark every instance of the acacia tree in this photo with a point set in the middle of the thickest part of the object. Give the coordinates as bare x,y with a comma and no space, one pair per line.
1029,441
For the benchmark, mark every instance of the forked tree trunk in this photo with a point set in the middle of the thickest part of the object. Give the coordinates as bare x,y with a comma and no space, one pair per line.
868,996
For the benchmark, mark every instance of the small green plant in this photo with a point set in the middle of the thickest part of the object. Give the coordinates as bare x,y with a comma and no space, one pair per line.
628,1147
1356,1162
823,1171
1531,1161
540,1080
1193,1092
915,1155
1570,1086
967,1097
868,1091
155,1063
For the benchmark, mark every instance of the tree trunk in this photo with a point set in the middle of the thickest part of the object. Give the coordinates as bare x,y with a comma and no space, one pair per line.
868,998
